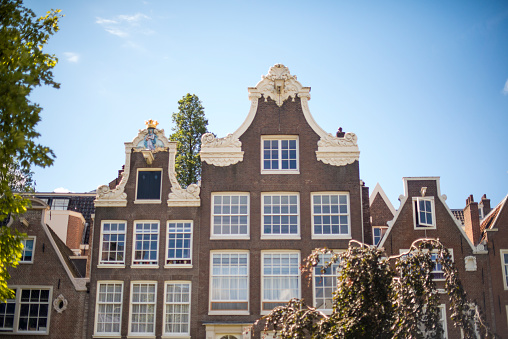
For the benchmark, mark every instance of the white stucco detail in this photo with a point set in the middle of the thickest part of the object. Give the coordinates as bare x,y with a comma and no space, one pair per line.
470,262
221,151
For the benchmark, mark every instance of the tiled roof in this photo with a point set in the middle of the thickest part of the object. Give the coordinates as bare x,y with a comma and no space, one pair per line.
459,215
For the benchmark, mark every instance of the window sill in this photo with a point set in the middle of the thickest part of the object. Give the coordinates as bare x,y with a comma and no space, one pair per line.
148,201
280,237
26,262
231,312
106,336
280,171
175,336
141,336
422,227
144,266
178,266
111,266
331,236
229,237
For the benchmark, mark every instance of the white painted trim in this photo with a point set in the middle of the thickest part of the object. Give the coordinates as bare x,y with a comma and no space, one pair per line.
230,236
166,265
134,265
106,334
326,311
379,190
34,238
280,236
142,334
107,264
505,280
210,283
148,201
263,252
176,335
331,236
279,159
416,203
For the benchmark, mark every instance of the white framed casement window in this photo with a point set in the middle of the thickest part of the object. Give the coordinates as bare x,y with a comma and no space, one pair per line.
27,256
378,232
28,312
112,247
108,310
229,282
279,154
179,244
230,215
148,186
177,305
145,247
325,283
442,320
143,302
504,267
280,278
280,215
437,272
330,215
424,215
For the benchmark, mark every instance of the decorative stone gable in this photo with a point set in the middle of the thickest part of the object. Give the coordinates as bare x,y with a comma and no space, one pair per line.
149,141
279,85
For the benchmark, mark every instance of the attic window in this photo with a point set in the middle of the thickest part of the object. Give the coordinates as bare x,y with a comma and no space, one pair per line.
424,214
149,185
59,204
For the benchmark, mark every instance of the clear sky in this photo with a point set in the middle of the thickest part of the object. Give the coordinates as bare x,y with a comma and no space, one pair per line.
423,84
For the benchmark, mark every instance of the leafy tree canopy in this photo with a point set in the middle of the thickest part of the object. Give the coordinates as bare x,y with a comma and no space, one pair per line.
190,125
381,297
23,67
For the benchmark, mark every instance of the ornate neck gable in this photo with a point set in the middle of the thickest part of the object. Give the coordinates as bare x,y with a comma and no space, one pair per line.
279,85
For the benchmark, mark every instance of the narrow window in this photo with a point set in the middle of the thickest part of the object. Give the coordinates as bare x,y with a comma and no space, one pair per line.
177,308
504,264
28,250
179,250
109,308
7,312
146,243
113,243
143,302
378,233
424,215
325,283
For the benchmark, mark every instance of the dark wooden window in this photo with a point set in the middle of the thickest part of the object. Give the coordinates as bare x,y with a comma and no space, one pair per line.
149,185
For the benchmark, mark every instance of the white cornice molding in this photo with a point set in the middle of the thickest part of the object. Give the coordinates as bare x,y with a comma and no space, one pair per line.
116,197
221,151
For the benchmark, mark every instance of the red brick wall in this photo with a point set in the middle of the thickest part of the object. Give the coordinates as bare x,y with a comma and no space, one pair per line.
75,229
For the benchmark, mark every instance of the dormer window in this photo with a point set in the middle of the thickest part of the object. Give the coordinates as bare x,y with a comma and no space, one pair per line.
279,154
149,185
424,215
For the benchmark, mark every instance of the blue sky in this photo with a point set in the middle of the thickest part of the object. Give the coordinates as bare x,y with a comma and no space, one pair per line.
424,84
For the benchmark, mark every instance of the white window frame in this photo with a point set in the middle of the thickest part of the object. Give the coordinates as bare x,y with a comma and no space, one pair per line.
112,264
31,261
118,303
17,309
281,275
167,258
148,201
442,320
181,303
280,170
504,268
219,236
146,303
318,276
383,230
331,214
280,235
137,263
416,213
230,278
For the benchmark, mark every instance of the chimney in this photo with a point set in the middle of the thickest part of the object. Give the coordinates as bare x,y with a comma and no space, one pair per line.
472,220
485,205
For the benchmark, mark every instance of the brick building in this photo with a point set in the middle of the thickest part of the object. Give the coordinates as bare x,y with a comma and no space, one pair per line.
50,289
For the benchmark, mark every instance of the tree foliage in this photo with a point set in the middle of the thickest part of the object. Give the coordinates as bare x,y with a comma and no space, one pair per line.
23,67
381,297
190,125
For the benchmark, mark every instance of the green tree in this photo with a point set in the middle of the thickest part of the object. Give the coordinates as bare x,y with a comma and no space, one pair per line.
381,297
190,125
23,67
